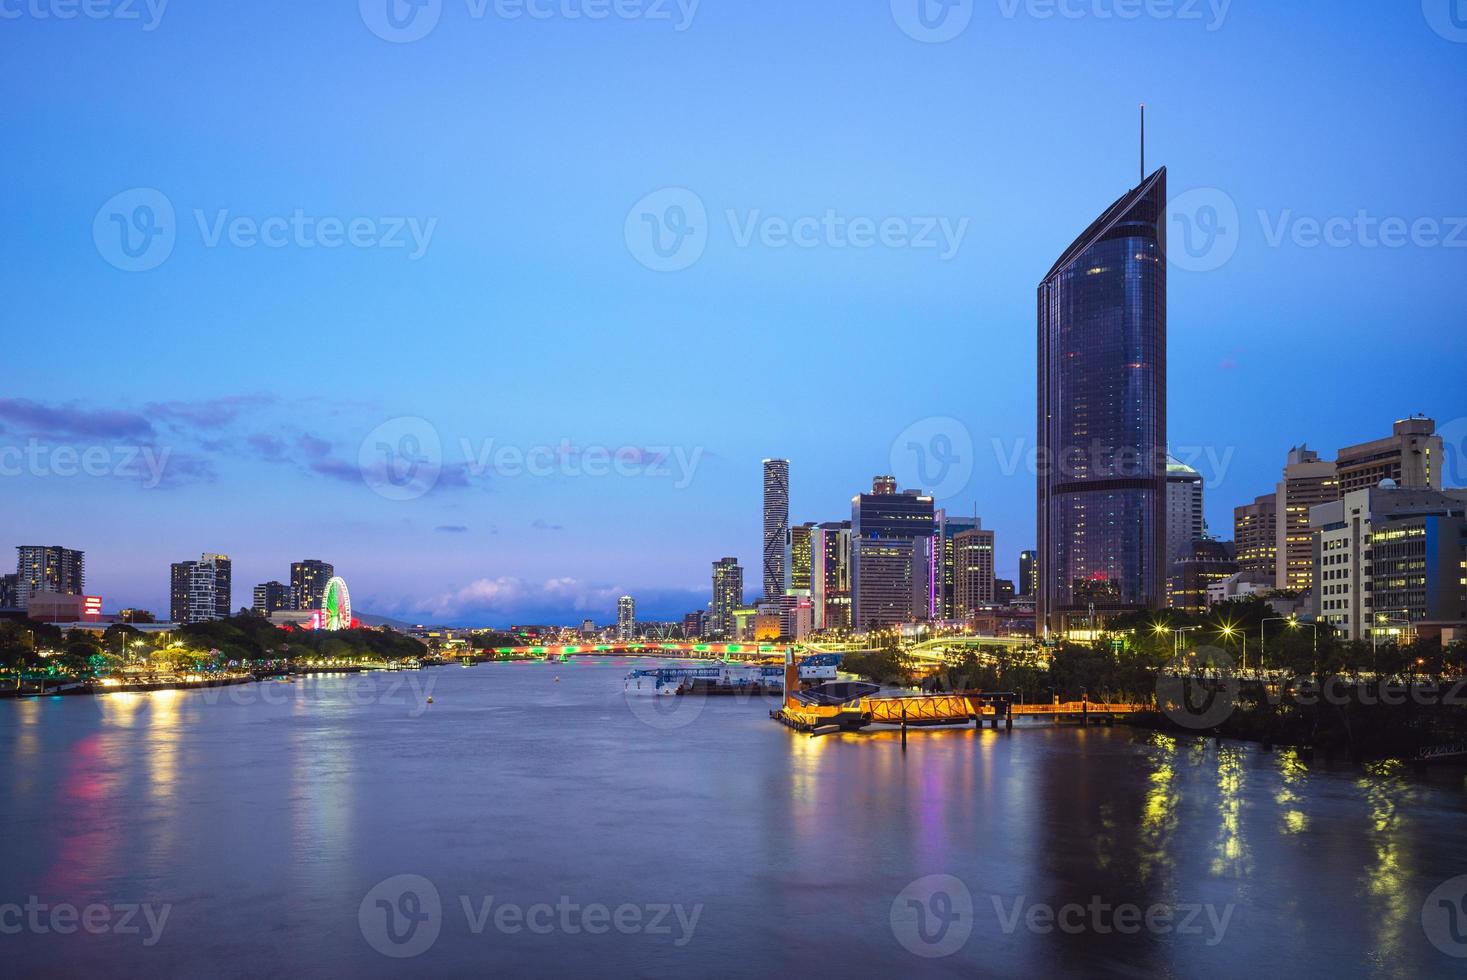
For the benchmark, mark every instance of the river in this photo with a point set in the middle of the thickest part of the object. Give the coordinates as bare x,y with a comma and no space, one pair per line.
532,821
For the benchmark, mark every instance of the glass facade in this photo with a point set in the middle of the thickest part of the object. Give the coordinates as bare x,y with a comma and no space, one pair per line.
1102,417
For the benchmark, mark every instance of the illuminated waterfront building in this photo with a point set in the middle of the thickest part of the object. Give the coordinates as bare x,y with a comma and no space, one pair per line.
1028,573
1184,516
200,591
1307,481
1205,563
776,526
1255,537
1390,557
801,538
626,618
728,596
271,597
891,555
1102,417
308,582
943,576
1411,456
48,568
973,581
830,575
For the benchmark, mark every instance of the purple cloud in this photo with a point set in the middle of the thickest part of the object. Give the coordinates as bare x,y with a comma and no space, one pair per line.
68,421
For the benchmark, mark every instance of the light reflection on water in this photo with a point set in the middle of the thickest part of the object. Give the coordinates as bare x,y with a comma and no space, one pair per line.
275,815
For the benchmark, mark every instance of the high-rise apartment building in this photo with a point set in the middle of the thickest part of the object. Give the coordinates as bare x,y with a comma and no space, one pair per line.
205,588
728,596
1102,417
626,618
1307,481
943,576
48,568
308,582
801,539
776,527
973,572
830,575
272,597
1184,516
1255,537
1411,456
891,555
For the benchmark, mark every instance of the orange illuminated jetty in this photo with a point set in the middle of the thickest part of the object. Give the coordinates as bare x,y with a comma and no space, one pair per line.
848,706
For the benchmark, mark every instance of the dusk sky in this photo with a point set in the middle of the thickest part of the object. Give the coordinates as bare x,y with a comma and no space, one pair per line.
486,190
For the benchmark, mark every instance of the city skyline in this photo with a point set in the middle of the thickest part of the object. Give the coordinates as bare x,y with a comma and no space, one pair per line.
264,446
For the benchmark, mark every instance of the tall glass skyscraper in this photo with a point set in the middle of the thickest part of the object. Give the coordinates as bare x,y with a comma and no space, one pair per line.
776,527
1102,417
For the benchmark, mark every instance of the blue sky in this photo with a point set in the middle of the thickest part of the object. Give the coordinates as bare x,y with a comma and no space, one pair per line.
525,312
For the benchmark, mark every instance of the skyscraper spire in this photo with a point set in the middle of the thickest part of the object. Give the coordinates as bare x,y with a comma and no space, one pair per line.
1143,143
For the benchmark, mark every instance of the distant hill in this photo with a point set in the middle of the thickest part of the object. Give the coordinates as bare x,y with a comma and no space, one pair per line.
367,619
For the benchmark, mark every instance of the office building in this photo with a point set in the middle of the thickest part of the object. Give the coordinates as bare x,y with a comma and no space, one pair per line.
943,575
181,577
891,555
1411,456
973,581
9,592
1388,557
1102,417
800,559
694,625
626,618
48,568
776,526
830,575
1255,538
1205,563
1028,573
1184,517
1307,481
728,596
272,597
1003,592
308,582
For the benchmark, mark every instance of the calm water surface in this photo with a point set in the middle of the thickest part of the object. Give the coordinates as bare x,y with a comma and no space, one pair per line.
265,819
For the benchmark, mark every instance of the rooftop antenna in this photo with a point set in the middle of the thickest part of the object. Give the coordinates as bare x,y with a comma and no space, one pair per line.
1143,142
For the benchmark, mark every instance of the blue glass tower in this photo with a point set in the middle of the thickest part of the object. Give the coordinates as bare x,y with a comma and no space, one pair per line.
1102,417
